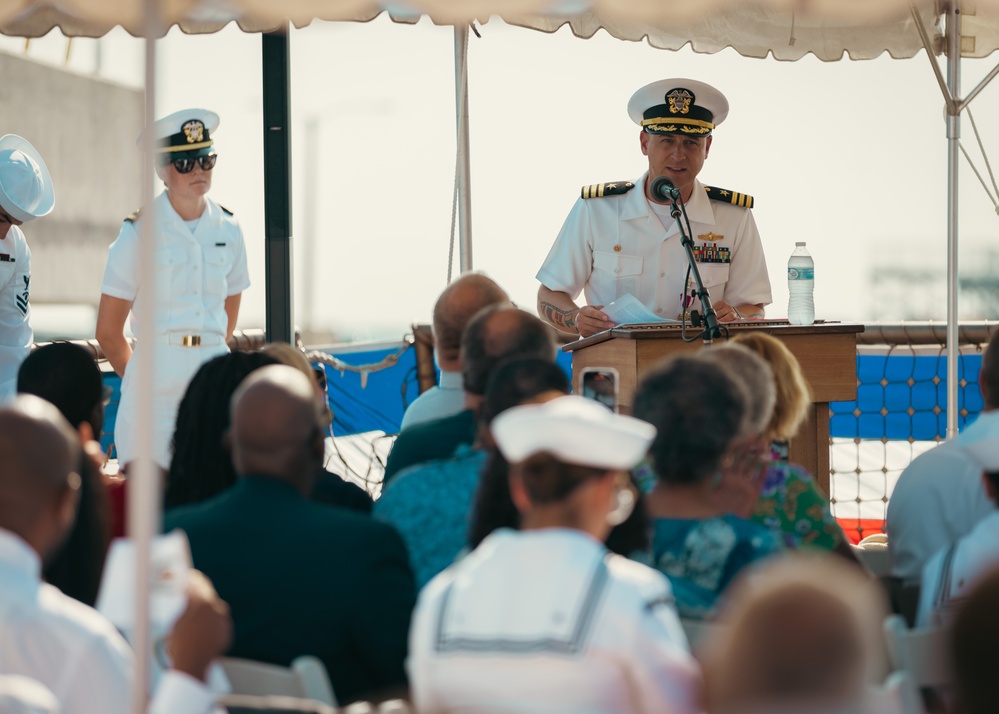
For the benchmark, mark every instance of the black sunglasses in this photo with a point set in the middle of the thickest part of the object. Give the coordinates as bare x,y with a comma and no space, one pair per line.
186,166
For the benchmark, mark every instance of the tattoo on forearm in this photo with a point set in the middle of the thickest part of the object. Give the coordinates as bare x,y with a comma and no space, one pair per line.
557,316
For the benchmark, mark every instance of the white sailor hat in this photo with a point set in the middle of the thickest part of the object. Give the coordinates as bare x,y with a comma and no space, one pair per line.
185,134
575,430
26,191
981,440
678,106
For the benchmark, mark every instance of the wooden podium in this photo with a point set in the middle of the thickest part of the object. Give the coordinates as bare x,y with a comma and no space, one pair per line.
827,353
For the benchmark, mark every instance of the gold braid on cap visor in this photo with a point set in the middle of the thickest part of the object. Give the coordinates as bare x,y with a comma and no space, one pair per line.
184,147
672,124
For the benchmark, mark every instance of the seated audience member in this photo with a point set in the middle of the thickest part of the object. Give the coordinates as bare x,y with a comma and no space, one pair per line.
545,619
201,466
698,410
453,310
800,635
791,503
494,335
430,503
953,570
301,577
58,641
974,648
940,496
329,487
67,376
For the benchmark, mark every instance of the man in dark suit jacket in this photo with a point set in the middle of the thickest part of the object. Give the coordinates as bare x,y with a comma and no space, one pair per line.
300,577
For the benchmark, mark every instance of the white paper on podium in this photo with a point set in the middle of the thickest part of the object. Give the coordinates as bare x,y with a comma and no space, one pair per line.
627,310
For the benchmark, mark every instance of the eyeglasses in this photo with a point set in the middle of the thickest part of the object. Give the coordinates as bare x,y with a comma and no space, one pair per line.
186,166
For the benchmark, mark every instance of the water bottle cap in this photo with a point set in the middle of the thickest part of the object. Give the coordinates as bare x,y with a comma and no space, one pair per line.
800,242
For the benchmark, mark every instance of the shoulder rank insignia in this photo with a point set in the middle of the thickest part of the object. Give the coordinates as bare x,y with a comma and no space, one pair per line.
225,210
599,190
726,196
133,217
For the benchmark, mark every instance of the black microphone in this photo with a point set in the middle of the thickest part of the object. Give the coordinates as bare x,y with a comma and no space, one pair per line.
664,188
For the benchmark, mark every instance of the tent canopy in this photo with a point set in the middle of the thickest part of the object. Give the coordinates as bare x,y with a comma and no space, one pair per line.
784,29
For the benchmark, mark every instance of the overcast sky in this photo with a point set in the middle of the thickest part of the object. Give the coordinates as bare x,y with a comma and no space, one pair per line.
848,156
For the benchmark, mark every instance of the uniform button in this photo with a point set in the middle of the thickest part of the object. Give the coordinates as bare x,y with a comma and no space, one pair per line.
662,274
617,271
659,310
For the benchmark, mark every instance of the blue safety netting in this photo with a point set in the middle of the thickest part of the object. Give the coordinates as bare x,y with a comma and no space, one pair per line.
904,397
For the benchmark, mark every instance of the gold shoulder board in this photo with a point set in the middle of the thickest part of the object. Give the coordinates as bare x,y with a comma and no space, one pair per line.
599,190
726,196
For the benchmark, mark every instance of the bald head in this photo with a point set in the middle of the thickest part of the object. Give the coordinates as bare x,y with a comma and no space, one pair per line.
41,453
455,307
498,334
276,426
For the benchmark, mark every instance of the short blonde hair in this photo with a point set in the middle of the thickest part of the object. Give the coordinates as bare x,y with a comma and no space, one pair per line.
291,356
794,396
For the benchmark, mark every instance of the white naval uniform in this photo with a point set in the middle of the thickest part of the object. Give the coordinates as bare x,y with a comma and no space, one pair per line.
549,621
15,330
615,245
196,273
72,649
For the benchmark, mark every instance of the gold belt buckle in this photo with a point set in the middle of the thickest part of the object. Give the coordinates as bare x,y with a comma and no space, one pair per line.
191,340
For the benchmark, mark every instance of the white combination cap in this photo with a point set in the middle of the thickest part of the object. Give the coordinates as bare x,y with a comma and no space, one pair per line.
981,440
575,430
678,106
184,134
26,191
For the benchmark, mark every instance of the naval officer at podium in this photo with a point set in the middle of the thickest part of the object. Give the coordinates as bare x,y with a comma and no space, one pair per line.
619,239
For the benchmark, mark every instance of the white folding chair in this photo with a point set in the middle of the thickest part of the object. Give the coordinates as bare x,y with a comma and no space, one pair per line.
923,653
903,693
306,678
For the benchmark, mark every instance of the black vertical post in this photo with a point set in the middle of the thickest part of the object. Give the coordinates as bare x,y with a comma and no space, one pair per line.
277,185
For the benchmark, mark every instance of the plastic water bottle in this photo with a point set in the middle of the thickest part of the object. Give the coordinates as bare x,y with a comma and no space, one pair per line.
800,286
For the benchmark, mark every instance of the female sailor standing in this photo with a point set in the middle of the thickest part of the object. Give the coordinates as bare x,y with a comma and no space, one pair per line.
200,261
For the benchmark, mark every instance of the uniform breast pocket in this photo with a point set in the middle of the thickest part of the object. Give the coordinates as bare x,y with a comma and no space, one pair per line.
714,275
616,274
169,276
218,265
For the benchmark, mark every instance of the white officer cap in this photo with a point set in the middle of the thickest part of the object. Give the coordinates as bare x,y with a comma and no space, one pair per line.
185,134
981,440
575,430
678,106
26,191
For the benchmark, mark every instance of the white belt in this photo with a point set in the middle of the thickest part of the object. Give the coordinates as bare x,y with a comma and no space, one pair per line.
175,339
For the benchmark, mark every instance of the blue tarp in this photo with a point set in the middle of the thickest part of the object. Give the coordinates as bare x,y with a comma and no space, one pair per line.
898,397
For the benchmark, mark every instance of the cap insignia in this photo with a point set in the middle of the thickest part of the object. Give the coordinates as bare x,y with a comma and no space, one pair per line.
194,130
679,101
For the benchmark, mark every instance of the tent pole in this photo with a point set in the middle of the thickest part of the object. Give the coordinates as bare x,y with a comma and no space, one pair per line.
464,168
953,29
277,186
144,489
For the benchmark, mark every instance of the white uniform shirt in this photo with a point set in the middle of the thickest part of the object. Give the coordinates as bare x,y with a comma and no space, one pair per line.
444,400
939,497
549,621
197,271
975,555
70,648
615,245
15,331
